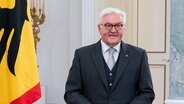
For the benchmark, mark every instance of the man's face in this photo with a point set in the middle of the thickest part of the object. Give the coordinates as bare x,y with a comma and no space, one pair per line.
111,29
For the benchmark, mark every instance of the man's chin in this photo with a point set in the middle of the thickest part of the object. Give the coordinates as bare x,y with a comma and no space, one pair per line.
113,43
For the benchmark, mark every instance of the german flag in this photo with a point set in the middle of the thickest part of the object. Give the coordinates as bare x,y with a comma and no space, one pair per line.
19,77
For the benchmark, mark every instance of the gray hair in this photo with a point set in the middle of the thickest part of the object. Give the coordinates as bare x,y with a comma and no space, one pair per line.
112,10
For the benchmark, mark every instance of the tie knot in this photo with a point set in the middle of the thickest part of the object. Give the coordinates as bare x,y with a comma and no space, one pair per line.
111,51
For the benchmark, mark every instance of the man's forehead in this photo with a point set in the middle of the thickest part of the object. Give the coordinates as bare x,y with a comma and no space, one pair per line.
112,18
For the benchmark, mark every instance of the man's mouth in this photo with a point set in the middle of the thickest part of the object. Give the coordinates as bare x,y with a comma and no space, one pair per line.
113,35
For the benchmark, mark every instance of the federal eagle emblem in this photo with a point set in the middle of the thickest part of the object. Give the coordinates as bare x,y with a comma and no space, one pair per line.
12,18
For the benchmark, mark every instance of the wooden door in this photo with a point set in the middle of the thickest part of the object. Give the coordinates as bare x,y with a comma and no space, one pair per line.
153,35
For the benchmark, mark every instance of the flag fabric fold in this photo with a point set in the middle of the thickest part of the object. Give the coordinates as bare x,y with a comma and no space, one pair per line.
19,77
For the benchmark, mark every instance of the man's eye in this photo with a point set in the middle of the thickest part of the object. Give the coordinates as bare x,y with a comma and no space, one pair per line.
118,25
108,25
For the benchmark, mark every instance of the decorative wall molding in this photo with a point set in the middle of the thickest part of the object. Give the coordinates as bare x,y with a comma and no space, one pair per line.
88,30
171,101
155,30
159,72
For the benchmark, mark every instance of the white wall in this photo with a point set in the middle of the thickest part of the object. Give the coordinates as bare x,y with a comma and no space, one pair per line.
60,36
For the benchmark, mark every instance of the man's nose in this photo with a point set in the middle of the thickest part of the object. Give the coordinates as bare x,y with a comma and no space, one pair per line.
113,29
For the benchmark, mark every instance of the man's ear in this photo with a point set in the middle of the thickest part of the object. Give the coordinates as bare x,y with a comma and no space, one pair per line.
98,27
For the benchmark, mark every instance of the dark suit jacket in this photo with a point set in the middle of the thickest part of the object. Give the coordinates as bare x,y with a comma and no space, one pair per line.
87,82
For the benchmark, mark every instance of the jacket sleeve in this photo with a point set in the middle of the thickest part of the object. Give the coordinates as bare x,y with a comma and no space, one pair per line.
145,92
73,88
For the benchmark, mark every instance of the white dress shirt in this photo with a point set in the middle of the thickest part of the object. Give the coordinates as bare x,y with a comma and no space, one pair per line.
105,53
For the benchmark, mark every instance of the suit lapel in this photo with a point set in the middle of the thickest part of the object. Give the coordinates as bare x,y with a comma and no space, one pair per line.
97,57
123,62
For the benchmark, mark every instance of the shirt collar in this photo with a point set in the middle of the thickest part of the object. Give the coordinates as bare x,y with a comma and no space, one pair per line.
105,47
